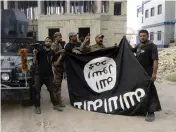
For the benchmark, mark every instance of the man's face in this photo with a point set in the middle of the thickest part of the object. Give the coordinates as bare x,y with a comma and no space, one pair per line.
99,40
74,38
143,37
59,38
48,43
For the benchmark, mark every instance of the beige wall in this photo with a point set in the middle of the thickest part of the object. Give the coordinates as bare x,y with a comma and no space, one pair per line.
67,24
113,27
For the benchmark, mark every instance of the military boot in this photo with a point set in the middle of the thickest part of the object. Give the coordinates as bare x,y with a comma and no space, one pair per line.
61,104
150,117
57,107
37,110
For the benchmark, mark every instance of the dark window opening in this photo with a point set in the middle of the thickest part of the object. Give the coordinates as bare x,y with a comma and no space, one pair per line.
117,8
51,32
83,32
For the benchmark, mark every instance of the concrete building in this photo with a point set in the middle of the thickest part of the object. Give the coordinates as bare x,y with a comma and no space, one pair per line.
158,17
131,36
94,17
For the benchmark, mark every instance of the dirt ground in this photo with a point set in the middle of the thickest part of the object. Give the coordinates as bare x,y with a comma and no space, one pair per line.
15,118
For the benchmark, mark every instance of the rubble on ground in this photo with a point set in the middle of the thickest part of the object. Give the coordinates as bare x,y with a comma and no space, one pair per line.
167,61
171,77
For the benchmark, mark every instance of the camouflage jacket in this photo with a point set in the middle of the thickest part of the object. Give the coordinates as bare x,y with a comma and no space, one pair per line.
56,47
92,48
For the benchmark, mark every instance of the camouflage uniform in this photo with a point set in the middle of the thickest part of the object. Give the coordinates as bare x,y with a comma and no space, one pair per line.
89,48
86,47
58,72
93,48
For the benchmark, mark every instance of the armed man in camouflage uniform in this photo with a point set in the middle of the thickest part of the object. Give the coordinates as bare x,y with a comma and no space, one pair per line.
58,65
86,47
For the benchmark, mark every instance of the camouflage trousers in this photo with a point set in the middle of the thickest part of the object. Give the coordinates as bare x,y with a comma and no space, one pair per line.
57,82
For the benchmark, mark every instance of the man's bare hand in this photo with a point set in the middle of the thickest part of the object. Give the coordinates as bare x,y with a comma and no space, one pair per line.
87,38
76,51
60,51
153,77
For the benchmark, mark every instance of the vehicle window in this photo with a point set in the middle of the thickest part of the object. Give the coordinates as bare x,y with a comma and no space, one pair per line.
11,61
14,47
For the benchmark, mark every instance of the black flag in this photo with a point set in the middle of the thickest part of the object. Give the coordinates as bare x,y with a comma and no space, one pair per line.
109,81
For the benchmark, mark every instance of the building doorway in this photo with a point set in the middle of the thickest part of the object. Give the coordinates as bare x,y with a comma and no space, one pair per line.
51,32
83,32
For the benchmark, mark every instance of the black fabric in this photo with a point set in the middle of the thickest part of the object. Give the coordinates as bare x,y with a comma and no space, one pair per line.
153,102
44,63
69,46
130,79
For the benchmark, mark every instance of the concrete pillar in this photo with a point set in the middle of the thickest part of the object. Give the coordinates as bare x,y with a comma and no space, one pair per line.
111,8
5,4
40,7
16,4
99,6
124,7
68,6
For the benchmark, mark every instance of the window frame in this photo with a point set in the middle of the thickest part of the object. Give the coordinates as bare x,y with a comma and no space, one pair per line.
159,37
147,13
152,13
117,12
159,7
152,33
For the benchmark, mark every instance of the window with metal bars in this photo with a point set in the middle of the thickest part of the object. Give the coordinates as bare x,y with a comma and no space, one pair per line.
54,7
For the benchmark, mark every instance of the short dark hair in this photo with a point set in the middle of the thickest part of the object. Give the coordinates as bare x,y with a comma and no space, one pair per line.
48,38
144,31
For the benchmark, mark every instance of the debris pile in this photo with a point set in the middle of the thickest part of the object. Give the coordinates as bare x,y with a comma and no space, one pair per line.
167,62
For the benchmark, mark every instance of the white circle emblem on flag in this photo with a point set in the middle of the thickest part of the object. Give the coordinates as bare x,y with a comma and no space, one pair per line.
100,74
